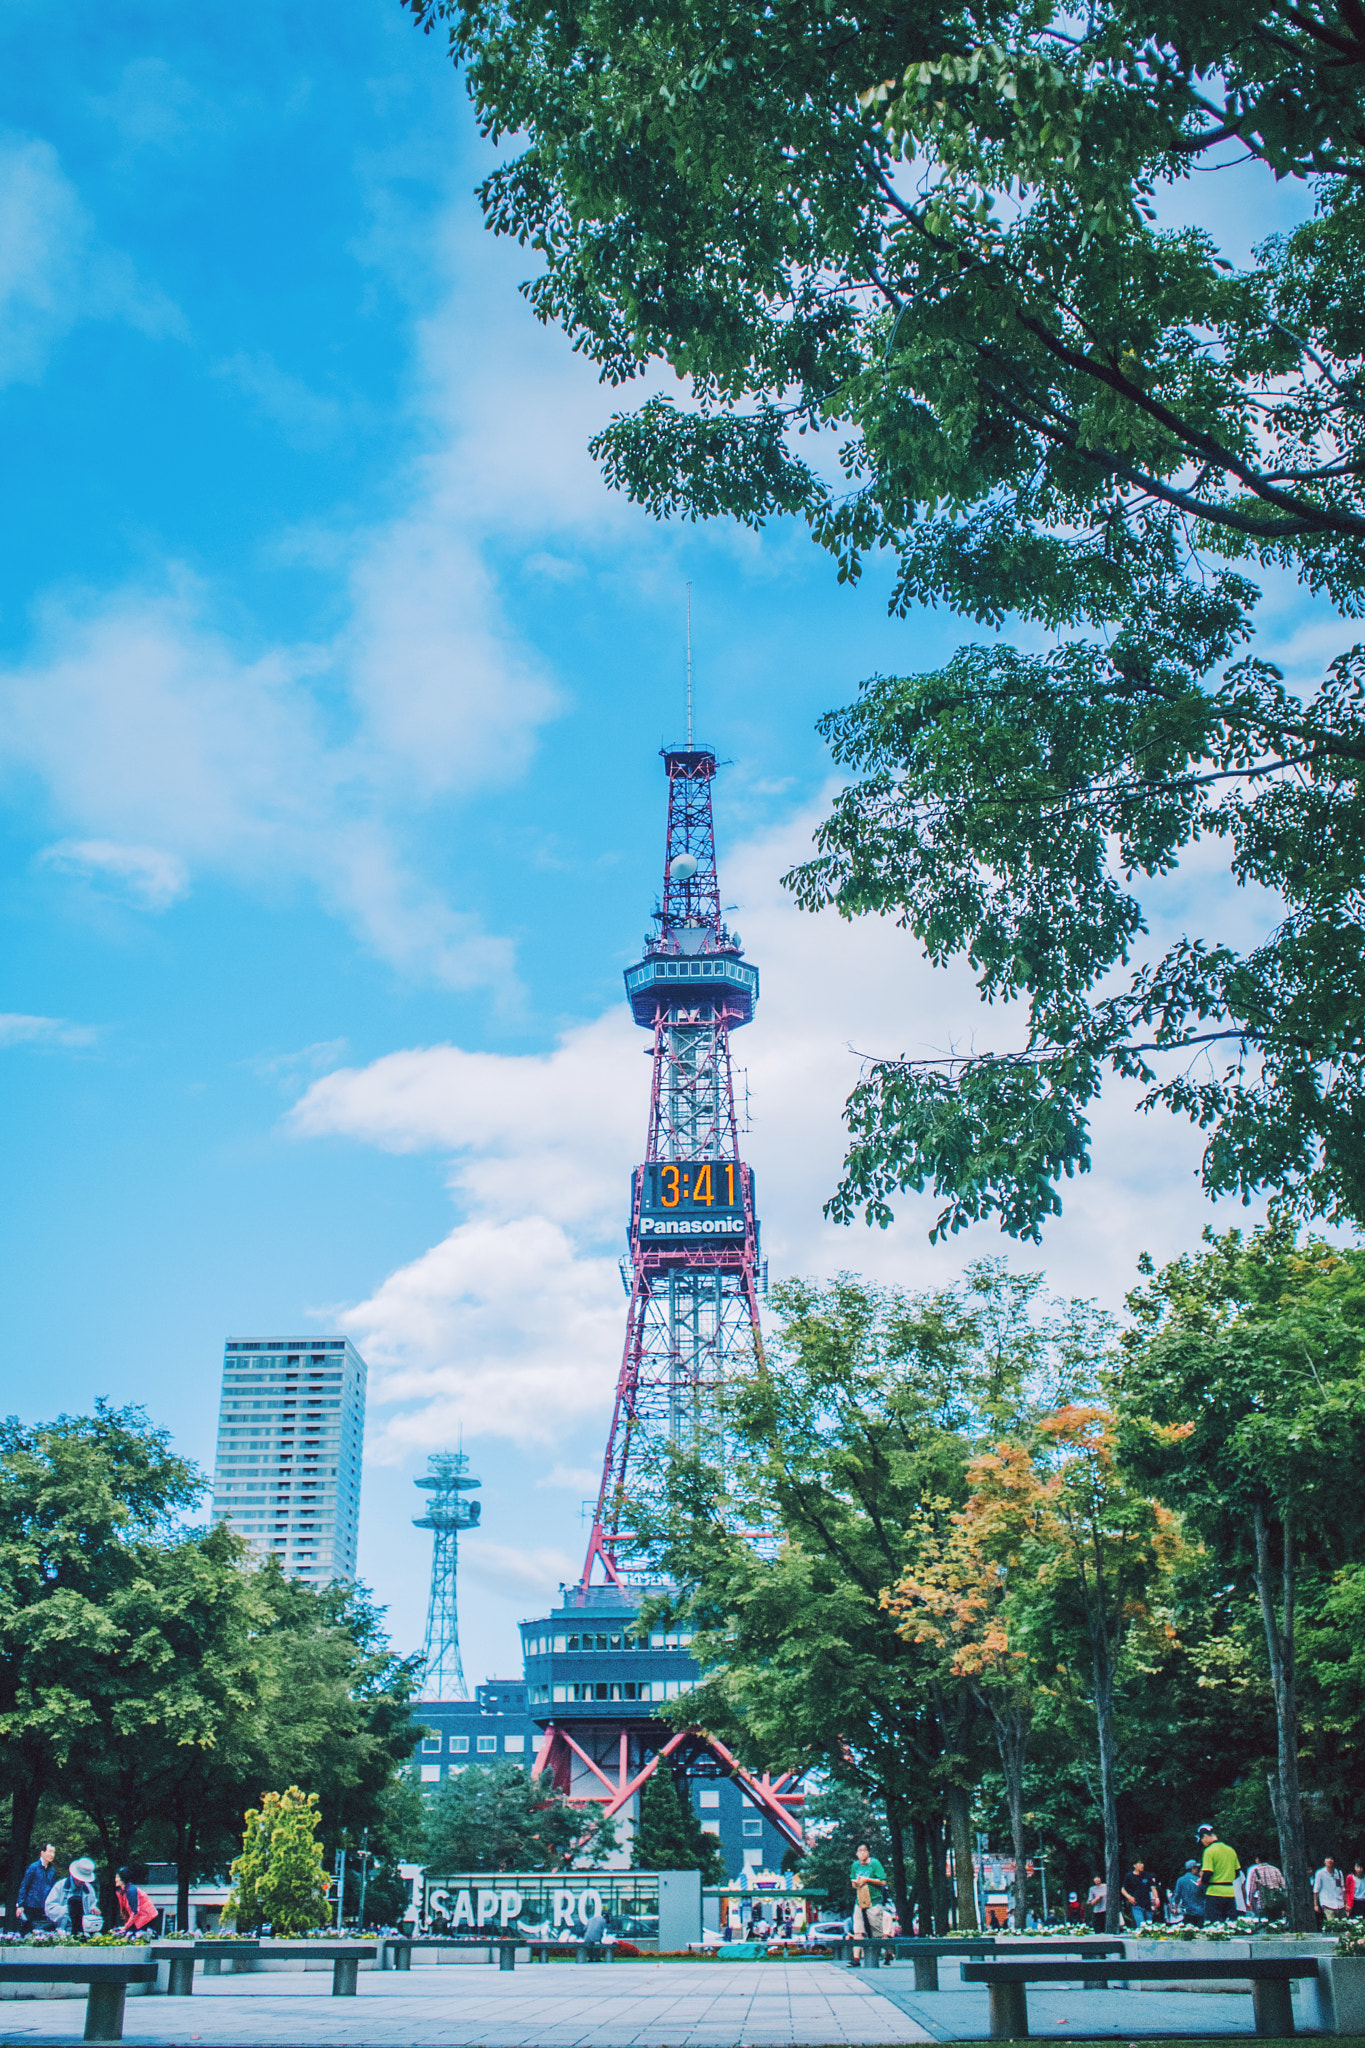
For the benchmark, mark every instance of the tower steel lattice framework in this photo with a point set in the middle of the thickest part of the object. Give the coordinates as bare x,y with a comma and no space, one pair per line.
693,1320
447,1479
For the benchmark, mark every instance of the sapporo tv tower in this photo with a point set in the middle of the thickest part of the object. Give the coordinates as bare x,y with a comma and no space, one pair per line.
593,1678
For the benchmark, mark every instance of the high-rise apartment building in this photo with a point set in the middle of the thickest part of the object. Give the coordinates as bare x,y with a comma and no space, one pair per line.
287,1474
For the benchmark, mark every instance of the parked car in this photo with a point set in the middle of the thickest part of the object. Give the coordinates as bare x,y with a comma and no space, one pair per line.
826,1931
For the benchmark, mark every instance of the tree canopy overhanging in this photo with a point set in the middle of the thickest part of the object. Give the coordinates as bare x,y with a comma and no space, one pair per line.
947,232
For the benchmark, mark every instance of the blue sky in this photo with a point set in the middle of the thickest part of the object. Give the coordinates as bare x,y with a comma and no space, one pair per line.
333,684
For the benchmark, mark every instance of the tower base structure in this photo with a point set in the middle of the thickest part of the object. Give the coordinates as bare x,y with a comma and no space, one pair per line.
594,1683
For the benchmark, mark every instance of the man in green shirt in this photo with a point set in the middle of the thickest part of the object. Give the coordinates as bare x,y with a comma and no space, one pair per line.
1217,1875
868,1880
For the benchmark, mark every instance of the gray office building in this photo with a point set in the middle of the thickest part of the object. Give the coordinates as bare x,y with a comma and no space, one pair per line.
291,1423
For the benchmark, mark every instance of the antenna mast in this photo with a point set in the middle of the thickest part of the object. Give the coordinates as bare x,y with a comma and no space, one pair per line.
689,666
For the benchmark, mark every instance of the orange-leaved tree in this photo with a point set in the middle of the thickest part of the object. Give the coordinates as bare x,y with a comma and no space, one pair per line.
1106,1552
963,1598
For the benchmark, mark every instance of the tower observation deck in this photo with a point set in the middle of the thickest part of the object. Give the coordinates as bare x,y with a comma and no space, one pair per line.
692,1325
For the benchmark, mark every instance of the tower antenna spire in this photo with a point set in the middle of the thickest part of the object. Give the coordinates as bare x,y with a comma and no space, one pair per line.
689,667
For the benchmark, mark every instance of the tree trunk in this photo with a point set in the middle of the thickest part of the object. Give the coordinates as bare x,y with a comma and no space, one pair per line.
1011,1736
1279,1642
24,1796
924,1883
185,1835
938,1876
895,1833
1104,1729
960,1822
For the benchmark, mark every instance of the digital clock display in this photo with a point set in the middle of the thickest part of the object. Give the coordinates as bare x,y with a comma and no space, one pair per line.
692,1199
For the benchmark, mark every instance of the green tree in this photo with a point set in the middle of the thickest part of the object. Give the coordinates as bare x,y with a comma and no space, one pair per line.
1103,1548
338,1703
668,1834
498,1817
949,235
278,1880
961,1597
80,1500
1244,1400
850,1442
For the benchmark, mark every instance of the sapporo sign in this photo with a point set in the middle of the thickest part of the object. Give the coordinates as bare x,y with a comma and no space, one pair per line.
542,1904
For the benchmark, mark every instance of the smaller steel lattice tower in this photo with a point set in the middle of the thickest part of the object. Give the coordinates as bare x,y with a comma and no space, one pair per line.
447,1479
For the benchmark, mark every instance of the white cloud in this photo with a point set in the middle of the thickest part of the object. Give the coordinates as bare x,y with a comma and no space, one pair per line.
526,1574
140,719
149,875
16,1029
504,1329
53,270
512,1326
580,1479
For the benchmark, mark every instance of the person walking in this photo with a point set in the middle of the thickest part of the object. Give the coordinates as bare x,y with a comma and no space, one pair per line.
34,1887
1186,1897
1329,1891
1137,1893
868,1879
1096,1904
72,1906
1266,1894
1217,1874
1355,1904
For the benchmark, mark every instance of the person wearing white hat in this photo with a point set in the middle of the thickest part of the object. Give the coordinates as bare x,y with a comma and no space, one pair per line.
72,1904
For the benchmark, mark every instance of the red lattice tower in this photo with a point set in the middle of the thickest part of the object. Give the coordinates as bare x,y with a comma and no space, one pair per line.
692,1324
693,1319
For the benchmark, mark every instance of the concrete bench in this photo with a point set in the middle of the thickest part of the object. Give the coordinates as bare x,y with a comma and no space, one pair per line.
401,1946
108,1983
924,1950
182,1956
584,1951
1270,1984
345,1957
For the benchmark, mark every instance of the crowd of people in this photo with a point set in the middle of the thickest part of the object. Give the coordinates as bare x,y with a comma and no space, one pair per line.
48,1904
1214,1886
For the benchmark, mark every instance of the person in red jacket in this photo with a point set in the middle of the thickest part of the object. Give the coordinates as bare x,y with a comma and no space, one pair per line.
134,1903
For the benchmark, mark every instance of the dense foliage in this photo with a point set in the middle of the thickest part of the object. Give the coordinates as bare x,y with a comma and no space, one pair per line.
669,1835
498,1817
155,1682
1021,1568
278,1880
954,235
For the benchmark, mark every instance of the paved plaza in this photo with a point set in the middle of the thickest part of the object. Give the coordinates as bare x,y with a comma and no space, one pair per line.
628,2005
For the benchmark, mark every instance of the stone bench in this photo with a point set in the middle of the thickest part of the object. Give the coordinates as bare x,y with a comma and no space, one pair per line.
401,1946
924,1950
345,1958
108,1982
1270,1984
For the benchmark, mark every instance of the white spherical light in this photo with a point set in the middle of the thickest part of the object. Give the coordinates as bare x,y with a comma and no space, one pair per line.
682,867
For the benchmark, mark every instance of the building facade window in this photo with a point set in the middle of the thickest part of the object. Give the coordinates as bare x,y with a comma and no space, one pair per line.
487,1745
459,1745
